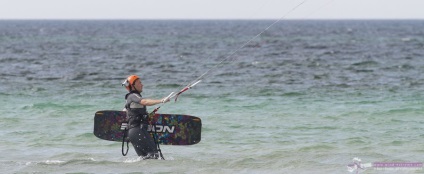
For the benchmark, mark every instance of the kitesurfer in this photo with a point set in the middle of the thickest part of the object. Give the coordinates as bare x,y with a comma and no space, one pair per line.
138,116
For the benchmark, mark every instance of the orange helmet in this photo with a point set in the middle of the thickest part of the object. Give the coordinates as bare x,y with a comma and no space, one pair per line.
130,81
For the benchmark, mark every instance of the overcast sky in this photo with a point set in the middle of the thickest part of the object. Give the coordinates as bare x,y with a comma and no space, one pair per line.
211,9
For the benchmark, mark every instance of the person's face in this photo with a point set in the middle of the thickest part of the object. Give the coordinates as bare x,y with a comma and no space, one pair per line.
138,85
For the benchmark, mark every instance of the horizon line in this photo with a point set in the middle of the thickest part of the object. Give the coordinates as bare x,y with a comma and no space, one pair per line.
205,19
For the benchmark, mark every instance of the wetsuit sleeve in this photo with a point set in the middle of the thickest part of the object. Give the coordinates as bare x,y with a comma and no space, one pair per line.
134,98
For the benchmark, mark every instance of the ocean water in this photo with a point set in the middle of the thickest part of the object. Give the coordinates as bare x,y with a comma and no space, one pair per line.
303,97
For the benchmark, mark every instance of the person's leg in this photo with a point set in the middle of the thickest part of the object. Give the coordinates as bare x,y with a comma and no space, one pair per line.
143,143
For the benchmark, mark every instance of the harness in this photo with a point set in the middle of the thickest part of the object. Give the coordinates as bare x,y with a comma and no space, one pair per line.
136,116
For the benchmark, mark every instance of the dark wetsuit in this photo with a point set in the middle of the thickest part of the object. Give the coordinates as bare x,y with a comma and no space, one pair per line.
137,115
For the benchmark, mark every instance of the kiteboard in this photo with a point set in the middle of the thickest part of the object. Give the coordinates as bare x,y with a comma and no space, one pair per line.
170,129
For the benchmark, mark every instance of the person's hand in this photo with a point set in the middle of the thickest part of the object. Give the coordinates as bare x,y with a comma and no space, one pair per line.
166,99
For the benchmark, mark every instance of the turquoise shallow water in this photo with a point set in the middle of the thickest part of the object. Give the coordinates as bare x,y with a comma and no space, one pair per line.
304,97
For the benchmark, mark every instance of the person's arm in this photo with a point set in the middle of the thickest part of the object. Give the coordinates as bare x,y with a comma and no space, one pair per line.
151,102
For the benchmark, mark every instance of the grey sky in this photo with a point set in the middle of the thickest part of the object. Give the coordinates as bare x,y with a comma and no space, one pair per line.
211,9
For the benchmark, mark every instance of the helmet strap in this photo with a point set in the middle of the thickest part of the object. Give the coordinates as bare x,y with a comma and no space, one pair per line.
132,86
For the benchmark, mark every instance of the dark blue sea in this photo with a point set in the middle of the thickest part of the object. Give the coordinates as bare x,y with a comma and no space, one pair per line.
305,96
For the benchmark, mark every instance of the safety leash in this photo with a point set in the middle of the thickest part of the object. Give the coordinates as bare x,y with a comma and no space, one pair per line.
155,136
156,139
124,128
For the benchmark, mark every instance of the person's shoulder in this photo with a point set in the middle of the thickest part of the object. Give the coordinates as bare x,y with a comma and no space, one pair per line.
134,95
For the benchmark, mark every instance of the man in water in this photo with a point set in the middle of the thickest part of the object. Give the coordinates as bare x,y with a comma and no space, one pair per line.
138,118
